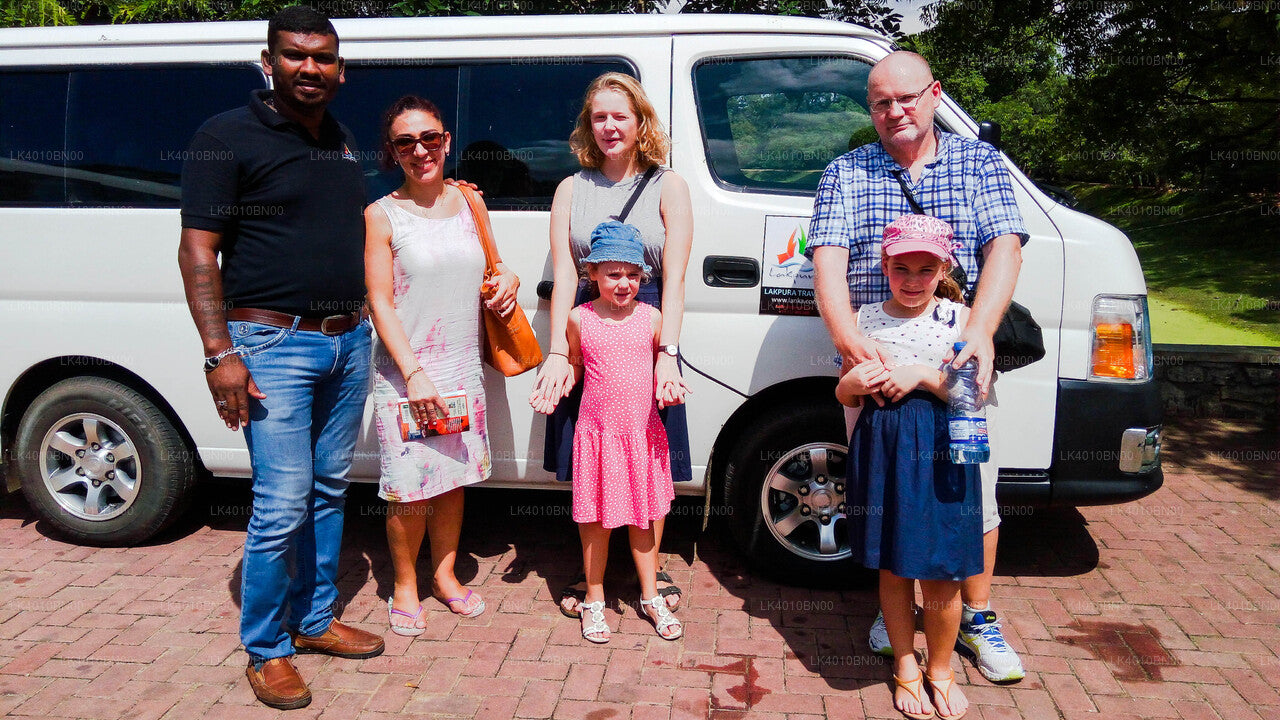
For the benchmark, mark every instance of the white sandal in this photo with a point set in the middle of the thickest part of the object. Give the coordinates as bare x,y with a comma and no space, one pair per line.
664,620
598,631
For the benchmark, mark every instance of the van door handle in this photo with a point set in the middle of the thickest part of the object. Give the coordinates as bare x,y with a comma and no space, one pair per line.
729,271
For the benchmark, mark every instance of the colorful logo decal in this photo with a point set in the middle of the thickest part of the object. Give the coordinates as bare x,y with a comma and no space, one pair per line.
786,282
794,254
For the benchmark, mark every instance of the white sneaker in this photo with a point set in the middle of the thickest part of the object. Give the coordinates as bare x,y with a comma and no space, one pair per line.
878,638
980,639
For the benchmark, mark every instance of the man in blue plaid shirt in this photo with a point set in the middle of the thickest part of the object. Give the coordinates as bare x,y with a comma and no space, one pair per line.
957,179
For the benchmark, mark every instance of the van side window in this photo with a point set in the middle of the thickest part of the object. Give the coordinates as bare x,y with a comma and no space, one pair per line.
368,92
510,121
33,109
773,124
128,128
514,126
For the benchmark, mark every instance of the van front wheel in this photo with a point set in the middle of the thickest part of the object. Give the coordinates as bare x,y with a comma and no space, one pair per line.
101,463
785,484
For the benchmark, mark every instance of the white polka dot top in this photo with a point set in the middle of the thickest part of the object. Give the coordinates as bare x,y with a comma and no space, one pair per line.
922,340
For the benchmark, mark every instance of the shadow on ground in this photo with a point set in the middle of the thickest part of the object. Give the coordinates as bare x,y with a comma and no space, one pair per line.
1245,453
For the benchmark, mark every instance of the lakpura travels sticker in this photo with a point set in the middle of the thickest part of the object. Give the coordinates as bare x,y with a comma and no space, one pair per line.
786,287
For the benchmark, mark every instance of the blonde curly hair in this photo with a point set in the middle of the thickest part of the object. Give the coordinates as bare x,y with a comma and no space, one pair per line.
653,142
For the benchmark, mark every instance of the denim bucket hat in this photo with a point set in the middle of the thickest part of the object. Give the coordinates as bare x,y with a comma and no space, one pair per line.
617,241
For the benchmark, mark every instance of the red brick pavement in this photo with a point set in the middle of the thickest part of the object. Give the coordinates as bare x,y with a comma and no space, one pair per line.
1163,608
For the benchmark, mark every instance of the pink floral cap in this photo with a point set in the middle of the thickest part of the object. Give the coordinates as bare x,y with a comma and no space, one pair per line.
920,233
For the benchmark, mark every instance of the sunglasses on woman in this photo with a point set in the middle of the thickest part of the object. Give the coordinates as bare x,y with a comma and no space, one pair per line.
430,141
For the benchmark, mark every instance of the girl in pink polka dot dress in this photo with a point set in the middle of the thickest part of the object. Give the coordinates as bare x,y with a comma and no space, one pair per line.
621,464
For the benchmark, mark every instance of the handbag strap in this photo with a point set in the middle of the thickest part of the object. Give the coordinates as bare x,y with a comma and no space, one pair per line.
635,194
483,229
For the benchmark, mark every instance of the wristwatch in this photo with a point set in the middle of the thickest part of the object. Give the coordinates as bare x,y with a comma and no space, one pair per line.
672,350
211,363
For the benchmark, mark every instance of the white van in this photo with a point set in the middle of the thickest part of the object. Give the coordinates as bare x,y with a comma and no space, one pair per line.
106,421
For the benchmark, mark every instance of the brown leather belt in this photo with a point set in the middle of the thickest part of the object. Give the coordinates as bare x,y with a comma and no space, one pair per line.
331,325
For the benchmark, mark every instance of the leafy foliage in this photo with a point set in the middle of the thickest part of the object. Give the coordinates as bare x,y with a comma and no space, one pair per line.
18,13
521,7
876,15
1141,92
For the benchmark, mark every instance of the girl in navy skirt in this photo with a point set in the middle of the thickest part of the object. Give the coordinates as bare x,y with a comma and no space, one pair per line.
913,514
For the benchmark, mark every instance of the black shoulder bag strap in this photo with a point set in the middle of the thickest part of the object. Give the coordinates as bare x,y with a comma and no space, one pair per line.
545,287
635,194
957,271
911,199
1018,339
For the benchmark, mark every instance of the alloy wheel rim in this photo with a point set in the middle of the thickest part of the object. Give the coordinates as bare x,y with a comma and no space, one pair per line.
803,502
90,467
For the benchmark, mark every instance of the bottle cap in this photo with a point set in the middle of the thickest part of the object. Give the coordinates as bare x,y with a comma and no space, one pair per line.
957,347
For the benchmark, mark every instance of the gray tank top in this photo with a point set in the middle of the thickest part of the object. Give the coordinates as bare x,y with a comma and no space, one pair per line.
596,199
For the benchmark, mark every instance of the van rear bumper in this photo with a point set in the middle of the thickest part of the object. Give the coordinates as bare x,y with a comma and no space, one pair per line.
1106,445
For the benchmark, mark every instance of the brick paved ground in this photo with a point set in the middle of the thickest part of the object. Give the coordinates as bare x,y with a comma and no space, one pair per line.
1167,607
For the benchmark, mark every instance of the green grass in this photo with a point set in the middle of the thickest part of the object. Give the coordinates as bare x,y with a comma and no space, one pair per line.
1212,262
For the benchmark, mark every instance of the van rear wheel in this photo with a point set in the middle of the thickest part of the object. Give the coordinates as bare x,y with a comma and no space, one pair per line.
785,484
101,463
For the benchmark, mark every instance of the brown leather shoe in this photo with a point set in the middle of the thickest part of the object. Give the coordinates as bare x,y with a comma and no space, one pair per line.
278,684
341,641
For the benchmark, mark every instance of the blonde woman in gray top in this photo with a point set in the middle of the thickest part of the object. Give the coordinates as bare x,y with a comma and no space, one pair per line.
618,140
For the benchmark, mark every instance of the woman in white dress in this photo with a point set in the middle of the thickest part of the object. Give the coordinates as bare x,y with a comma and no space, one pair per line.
423,268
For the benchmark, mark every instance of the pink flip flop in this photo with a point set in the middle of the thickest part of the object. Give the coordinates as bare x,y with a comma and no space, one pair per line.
408,631
466,601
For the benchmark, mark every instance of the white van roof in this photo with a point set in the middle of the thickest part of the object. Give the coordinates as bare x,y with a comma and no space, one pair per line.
451,28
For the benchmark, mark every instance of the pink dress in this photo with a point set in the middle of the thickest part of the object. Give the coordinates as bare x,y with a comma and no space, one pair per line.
621,464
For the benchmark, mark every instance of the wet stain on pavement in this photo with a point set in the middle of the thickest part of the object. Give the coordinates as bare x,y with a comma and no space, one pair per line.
1132,651
736,667
748,692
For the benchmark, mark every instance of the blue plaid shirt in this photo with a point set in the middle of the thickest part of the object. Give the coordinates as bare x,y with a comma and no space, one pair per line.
967,185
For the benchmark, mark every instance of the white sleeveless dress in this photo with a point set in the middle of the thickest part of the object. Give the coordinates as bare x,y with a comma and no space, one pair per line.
438,266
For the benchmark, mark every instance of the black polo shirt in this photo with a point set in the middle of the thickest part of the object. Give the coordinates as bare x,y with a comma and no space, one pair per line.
289,208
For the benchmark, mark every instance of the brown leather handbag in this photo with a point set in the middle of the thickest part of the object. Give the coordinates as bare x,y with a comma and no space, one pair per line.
509,343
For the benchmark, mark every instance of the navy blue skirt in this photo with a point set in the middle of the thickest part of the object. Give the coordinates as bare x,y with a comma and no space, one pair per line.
911,511
557,455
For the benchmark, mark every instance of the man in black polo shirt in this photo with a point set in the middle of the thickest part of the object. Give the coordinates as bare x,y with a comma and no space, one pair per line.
276,188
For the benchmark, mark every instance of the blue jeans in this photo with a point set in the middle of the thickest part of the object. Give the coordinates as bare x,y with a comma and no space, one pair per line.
301,439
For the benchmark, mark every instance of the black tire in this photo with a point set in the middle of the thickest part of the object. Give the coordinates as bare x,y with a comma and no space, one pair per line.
784,445
70,437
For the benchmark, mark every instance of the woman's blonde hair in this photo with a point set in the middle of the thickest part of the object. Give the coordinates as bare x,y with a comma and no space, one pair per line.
652,142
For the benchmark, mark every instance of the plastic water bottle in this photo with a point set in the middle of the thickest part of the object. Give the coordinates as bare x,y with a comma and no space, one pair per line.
966,416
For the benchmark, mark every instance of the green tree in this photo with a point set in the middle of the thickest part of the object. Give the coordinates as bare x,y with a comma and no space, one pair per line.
17,13
1131,91
876,15
34,13
1191,90
1002,61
